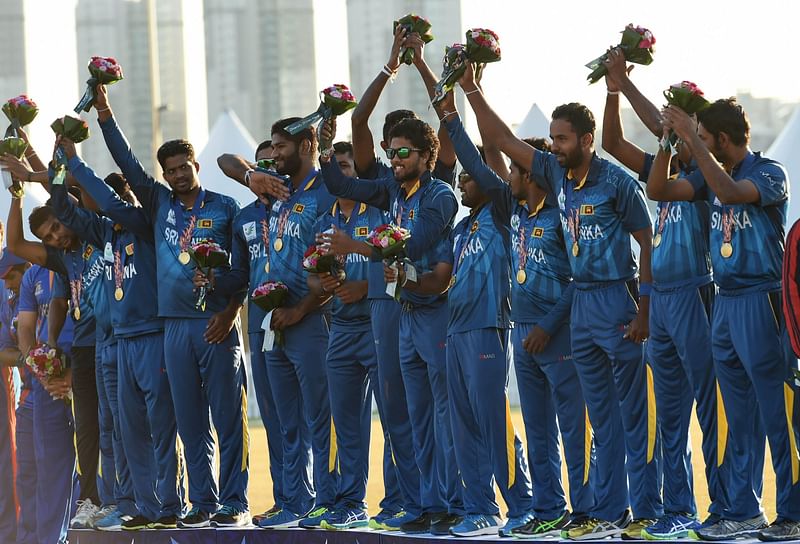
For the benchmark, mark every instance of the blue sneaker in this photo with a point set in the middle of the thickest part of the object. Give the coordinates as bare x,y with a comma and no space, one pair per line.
282,519
346,518
670,527
377,521
513,523
476,525
111,521
313,520
394,523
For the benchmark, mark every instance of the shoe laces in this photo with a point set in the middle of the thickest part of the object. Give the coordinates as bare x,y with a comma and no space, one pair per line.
85,507
317,512
228,511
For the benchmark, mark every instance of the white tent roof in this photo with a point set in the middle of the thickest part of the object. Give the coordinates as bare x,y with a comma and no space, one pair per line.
785,150
535,124
228,135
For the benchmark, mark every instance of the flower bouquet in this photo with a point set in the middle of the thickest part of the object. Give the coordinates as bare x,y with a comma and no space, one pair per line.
13,146
21,111
74,129
636,44
482,46
413,23
318,261
335,100
688,97
46,362
206,254
389,240
268,296
104,71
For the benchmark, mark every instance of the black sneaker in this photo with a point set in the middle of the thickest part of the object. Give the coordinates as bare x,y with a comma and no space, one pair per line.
539,528
268,514
780,529
195,519
164,522
442,523
228,516
420,525
136,523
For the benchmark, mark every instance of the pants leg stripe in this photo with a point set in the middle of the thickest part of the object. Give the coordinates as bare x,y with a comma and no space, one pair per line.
652,421
722,428
788,399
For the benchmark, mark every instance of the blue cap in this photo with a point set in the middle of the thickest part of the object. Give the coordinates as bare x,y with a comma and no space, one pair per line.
8,261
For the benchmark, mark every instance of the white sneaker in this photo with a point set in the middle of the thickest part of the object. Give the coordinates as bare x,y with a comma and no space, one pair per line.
85,516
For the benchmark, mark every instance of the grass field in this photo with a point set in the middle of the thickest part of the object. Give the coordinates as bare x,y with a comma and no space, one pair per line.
261,485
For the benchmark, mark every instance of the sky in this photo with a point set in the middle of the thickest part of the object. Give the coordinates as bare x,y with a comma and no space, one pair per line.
724,47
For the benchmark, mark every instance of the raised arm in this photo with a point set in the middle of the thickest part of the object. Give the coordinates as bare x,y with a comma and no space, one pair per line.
494,157
33,252
235,167
374,193
87,225
614,142
363,143
492,127
435,219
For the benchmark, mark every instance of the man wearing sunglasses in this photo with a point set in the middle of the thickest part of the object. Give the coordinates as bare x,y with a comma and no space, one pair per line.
426,206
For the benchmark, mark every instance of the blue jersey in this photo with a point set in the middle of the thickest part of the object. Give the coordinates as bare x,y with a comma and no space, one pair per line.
680,240
541,289
35,293
353,317
175,230
80,274
599,213
102,316
128,256
754,233
8,318
480,290
427,211
291,231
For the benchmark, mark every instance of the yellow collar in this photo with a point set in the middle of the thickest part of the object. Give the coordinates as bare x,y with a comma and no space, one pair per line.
581,183
524,203
413,190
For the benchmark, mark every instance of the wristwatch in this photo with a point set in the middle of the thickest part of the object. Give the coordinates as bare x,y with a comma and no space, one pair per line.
326,153
247,176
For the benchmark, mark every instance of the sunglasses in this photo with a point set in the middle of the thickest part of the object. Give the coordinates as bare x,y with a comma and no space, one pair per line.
464,177
401,152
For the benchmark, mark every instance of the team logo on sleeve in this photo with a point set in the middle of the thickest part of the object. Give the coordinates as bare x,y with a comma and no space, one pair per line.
298,208
587,209
171,216
129,250
249,231
87,253
362,231
538,232
205,223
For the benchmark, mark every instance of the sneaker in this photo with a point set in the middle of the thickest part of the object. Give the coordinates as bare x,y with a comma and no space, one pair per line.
585,528
313,520
164,522
85,516
419,524
396,522
282,519
780,529
476,525
228,516
346,518
268,514
670,527
442,523
194,519
377,521
728,529
634,529
539,528
136,523
515,523
112,521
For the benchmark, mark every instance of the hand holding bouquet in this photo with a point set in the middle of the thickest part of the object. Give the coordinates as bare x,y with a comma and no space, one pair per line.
103,71
482,46
16,147
319,261
268,296
636,44
335,100
46,363
71,128
206,254
413,23
389,240
688,97
21,111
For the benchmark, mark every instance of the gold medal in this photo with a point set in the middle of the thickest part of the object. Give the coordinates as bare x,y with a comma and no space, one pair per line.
575,249
521,276
278,244
657,240
76,313
118,294
183,258
726,250
266,267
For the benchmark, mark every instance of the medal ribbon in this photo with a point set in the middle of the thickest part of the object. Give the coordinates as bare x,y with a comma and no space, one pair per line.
118,269
573,215
265,235
76,279
662,216
727,226
178,212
